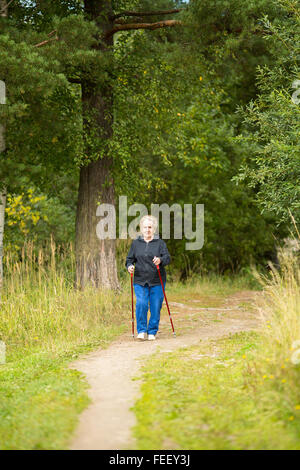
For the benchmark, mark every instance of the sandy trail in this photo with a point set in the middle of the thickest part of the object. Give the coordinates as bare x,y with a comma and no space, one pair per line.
107,422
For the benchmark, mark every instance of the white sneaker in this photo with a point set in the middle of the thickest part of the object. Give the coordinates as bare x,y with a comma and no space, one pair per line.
141,336
151,337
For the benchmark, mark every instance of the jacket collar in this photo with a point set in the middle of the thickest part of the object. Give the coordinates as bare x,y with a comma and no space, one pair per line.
155,237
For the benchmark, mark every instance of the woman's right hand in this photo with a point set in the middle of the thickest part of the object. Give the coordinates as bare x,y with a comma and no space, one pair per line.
131,268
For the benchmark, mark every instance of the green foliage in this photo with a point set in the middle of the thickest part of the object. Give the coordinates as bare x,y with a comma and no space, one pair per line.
176,134
41,117
180,145
271,121
33,217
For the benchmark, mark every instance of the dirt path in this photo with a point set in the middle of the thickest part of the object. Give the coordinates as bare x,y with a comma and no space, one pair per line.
107,422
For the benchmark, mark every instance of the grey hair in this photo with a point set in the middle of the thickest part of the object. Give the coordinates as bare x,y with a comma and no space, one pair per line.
153,220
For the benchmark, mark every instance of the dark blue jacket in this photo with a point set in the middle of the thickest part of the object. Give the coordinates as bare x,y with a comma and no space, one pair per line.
141,254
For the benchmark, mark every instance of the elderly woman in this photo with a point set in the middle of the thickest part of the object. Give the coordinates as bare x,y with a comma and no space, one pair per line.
146,252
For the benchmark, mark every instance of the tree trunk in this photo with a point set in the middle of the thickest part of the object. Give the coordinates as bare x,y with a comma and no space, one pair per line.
96,258
3,12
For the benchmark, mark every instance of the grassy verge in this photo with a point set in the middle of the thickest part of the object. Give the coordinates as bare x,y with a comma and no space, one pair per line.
40,402
239,392
46,324
204,397
211,288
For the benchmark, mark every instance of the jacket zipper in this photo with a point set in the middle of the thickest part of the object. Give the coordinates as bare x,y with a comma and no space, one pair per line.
146,254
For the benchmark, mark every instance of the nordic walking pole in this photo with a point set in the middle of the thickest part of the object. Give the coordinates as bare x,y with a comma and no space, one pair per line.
132,320
162,285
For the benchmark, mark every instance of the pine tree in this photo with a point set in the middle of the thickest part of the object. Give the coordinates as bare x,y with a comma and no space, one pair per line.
80,50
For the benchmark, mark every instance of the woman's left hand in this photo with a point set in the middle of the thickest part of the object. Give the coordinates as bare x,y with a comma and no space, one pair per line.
156,260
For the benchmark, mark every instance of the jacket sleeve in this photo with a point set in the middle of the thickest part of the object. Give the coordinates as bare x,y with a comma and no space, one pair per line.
131,259
165,257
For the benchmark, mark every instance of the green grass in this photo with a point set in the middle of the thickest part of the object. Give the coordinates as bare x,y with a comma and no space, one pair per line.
40,402
41,398
238,392
209,397
209,290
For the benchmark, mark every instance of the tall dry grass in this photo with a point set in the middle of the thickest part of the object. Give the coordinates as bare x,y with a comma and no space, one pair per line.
41,309
281,306
277,363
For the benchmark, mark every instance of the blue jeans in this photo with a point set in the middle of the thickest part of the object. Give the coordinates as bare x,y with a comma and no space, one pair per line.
145,295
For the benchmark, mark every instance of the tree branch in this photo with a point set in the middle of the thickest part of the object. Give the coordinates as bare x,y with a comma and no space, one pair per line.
4,5
144,13
50,34
46,41
126,27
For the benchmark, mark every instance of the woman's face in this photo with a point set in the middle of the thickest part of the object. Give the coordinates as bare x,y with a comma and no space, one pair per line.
147,229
